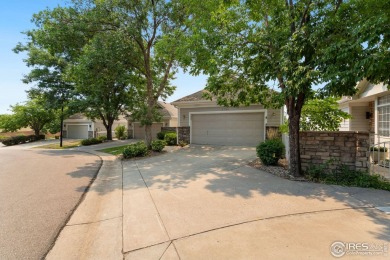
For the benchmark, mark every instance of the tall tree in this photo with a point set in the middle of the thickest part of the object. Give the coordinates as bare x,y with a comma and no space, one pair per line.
151,29
154,28
32,114
252,48
48,61
104,78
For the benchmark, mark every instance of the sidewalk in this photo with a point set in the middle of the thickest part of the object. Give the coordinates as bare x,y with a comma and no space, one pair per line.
206,203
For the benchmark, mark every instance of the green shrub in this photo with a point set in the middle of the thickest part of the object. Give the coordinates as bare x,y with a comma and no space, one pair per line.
161,135
21,139
102,138
170,138
270,151
90,141
158,145
56,137
135,150
343,175
120,132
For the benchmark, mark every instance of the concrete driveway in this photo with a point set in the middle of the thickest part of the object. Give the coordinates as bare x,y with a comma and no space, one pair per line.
39,190
206,203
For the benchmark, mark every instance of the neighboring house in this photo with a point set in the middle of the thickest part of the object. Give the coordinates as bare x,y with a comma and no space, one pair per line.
79,126
217,125
369,108
169,119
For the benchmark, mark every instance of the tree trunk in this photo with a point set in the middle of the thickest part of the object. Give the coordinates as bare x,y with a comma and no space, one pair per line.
62,125
148,136
295,156
109,130
36,132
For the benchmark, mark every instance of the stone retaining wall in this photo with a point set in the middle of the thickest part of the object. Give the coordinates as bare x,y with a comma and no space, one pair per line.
349,148
183,134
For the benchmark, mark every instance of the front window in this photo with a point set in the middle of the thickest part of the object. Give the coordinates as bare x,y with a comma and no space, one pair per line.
384,116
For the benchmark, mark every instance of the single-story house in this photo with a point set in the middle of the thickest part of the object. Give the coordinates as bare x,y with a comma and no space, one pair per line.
169,119
369,108
217,125
78,126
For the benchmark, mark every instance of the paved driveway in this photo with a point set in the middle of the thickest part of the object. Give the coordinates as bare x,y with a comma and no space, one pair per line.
38,191
206,203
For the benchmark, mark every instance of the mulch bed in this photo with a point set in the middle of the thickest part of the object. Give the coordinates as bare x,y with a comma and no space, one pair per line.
281,170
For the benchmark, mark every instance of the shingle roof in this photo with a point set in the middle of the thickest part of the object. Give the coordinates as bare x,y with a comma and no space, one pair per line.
197,96
167,109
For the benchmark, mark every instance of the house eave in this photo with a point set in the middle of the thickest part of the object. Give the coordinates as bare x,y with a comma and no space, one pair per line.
189,104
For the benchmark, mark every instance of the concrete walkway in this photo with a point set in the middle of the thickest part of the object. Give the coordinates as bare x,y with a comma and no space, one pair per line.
205,202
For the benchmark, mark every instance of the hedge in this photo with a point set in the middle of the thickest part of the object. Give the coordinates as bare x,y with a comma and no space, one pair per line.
21,139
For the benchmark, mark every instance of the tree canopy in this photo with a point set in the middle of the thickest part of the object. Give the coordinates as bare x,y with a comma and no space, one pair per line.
277,52
110,51
32,114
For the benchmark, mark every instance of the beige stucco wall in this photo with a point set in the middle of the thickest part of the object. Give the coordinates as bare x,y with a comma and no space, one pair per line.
273,115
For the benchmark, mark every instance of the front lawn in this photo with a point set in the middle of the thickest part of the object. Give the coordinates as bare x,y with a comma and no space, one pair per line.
118,150
65,145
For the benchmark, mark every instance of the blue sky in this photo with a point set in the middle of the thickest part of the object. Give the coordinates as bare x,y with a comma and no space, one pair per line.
15,17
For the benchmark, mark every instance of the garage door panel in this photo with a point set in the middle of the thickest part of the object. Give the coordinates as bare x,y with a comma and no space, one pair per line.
228,128
77,131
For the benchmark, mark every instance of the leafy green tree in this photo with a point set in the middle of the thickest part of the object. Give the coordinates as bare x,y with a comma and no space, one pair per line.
320,115
154,29
104,78
32,114
149,29
274,52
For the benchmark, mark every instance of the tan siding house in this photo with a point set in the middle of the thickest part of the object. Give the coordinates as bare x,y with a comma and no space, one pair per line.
369,108
217,125
169,119
78,126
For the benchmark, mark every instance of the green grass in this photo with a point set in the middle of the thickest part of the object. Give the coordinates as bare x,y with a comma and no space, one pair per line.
114,150
65,145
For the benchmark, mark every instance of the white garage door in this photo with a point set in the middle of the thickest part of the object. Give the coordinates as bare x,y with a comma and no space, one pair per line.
245,129
77,131
139,131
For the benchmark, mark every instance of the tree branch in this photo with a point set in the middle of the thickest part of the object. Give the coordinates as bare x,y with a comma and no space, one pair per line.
304,20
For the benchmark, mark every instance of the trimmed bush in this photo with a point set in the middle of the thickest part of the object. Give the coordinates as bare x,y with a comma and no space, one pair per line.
102,138
21,139
161,135
120,132
270,151
170,138
90,141
158,145
135,150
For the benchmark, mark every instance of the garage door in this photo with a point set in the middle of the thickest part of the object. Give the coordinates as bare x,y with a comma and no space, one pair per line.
139,131
245,129
77,131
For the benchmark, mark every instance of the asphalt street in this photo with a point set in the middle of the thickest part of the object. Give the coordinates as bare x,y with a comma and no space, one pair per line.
39,190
